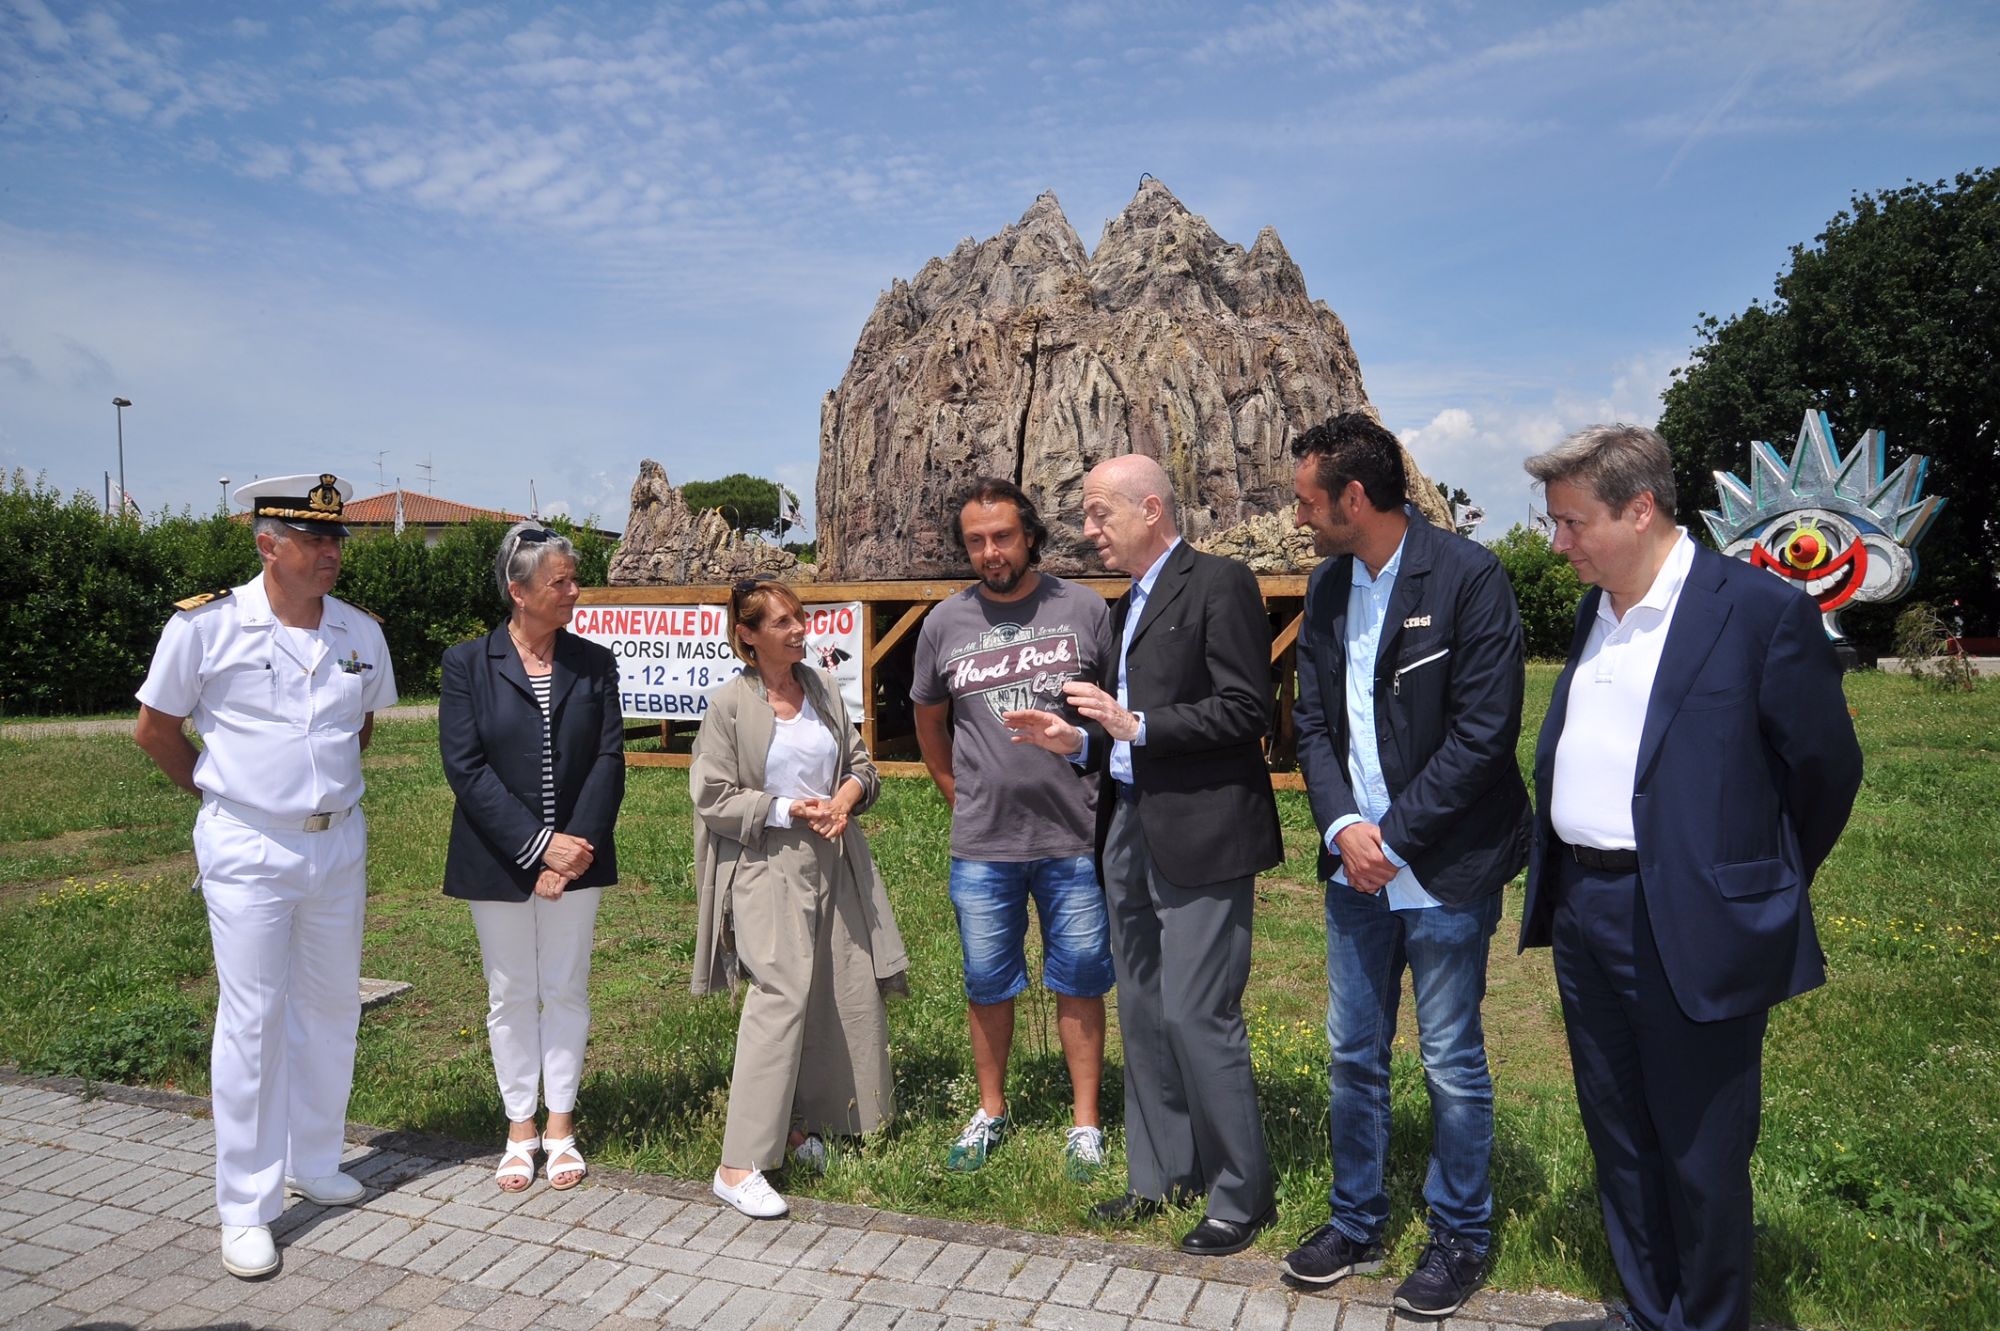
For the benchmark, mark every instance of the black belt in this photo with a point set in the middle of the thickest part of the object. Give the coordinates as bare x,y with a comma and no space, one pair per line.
1617,861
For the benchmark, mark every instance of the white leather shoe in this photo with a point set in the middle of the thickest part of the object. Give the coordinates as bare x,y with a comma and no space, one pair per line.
327,1189
247,1251
754,1196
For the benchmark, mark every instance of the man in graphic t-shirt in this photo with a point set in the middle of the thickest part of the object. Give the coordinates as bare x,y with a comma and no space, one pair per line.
1023,819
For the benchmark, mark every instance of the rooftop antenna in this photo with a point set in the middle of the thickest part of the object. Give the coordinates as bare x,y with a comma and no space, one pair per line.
379,455
428,471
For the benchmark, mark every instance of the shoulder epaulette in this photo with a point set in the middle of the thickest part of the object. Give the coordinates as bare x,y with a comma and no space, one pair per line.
197,602
366,611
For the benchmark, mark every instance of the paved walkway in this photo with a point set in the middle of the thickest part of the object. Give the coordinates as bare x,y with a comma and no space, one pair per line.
108,1221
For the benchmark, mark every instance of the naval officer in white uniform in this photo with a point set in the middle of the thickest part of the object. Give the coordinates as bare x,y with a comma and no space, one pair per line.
282,681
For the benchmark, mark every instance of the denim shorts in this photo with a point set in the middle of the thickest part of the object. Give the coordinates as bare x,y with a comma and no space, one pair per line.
991,899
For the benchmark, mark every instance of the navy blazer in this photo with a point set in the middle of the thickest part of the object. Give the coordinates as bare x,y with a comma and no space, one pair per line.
1200,669
1747,770
1447,684
490,732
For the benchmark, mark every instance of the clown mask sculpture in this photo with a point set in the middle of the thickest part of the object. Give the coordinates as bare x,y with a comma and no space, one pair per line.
1838,528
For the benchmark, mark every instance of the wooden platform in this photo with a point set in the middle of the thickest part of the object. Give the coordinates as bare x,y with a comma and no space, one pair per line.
892,611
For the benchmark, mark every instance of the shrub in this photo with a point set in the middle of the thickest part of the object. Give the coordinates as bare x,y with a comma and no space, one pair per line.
1546,588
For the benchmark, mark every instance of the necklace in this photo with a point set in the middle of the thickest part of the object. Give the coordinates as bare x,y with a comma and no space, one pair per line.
540,658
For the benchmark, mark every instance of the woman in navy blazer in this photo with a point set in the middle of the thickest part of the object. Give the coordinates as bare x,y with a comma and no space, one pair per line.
534,749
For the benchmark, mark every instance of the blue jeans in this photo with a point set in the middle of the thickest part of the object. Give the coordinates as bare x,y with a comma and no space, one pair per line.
991,900
1444,947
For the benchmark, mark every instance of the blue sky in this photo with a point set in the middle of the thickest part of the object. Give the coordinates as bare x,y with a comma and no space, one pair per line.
533,241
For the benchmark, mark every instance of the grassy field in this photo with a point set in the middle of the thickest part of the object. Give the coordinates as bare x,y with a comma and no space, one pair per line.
1878,1196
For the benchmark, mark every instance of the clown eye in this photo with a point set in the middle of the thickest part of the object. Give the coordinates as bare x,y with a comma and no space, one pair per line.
1807,548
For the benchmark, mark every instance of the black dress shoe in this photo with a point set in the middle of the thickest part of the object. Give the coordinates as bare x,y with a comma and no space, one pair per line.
1125,1210
1219,1238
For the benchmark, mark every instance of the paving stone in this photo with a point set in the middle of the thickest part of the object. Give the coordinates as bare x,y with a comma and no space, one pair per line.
1063,1317
972,1303
994,1271
910,1258
824,1284
360,1285
949,1266
99,1293
826,1315
509,1312
1080,1283
722,1226
1363,1317
1216,1306
614,1294
647,1215
866,1253
652,1301
597,1243
1317,1312
1265,1310
391,1231
900,1293
437,1317
1124,1291
463,1215
1037,1276
828,1250
1170,1298
913,1320
374,1317
694,1307
442,1247
28,1258
54,1317
873,1317
514,1262
794,1238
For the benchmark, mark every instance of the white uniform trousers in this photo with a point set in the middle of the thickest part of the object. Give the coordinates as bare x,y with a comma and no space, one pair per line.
284,917
536,954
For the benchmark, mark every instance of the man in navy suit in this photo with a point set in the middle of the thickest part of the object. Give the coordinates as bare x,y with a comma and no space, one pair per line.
1697,764
1408,715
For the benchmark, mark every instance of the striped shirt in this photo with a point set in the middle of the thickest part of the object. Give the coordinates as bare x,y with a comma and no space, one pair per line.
539,842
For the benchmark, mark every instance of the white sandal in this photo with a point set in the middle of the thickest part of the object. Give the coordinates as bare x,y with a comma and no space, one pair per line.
558,1147
517,1161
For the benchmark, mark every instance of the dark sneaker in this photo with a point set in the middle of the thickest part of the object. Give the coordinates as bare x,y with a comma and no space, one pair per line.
1445,1277
981,1135
1327,1255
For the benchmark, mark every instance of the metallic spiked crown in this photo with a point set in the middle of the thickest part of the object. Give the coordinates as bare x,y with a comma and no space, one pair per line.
1819,477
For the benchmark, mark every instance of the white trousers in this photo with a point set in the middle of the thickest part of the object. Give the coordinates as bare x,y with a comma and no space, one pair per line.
536,954
284,918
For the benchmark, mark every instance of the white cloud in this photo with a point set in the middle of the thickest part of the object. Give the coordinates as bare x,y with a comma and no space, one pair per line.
1479,442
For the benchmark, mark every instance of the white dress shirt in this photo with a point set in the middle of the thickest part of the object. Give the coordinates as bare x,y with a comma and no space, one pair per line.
1120,760
1597,758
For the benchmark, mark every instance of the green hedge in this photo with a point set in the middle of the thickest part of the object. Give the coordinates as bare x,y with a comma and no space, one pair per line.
82,598
1545,586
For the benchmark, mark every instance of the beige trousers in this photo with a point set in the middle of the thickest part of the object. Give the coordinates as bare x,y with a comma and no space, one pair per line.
812,1048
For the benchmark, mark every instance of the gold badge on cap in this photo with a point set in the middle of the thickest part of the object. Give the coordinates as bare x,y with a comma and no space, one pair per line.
324,497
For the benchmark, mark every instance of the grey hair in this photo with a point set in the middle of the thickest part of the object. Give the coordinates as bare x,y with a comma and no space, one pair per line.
519,561
1617,463
271,526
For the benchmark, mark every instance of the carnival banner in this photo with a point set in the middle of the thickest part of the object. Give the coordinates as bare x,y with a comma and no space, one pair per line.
672,657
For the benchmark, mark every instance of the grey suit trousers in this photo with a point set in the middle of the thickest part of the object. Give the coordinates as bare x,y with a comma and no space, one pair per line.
1183,958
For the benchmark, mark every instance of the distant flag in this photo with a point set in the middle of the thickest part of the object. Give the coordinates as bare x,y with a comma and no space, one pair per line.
792,518
131,504
399,510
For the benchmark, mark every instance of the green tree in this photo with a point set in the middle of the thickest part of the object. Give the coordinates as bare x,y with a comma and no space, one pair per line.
1889,319
748,503
1545,587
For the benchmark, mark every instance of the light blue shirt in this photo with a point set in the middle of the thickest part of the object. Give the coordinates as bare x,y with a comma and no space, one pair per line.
1120,761
1367,608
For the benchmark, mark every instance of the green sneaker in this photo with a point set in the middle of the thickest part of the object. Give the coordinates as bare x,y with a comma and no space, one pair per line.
981,1135
1083,1154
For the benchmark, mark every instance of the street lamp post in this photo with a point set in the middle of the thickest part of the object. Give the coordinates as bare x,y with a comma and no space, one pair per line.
224,483
121,403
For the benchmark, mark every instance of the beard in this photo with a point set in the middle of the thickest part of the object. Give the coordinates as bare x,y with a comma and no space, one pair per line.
1005,579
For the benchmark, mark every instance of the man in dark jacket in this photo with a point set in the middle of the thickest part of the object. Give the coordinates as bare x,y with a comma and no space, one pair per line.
1408,711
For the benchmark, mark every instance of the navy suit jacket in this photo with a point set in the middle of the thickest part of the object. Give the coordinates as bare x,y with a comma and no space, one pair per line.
1747,770
490,733
1200,669
1447,684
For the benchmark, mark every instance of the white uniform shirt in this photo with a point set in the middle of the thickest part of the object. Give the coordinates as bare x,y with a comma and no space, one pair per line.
1597,758
278,713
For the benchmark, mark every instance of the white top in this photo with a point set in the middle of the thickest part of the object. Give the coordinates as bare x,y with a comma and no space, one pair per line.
279,711
799,764
538,844
1597,758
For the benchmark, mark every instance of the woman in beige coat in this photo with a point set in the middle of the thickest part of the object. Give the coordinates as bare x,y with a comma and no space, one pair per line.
789,899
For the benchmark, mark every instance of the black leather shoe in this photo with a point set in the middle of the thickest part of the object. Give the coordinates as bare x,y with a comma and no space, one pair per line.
1125,1210
1219,1238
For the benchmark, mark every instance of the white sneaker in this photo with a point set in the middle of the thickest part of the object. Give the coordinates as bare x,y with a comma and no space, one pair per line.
247,1251
754,1196
327,1189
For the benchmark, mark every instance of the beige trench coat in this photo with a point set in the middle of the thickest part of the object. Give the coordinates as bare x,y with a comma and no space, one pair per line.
726,783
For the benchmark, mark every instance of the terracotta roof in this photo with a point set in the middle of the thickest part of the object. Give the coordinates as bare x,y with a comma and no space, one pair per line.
420,509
